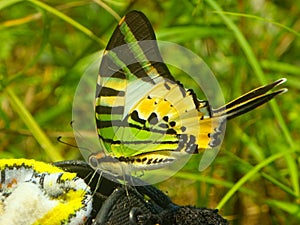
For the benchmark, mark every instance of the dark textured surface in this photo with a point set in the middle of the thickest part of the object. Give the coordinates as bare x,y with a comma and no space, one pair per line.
142,205
185,216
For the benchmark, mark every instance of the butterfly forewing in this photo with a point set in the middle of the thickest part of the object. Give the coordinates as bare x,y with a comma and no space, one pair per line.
139,106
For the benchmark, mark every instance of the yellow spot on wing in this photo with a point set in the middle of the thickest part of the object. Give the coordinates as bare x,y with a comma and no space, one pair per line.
112,100
114,83
146,107
208,126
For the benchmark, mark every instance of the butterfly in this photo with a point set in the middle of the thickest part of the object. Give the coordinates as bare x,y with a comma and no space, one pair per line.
146,119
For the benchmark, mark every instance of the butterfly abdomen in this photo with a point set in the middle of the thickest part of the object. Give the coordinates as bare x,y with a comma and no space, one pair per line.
119,165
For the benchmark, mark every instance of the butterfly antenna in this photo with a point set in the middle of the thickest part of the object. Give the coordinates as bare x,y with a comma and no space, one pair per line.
79,135
71,145
74,129
59,139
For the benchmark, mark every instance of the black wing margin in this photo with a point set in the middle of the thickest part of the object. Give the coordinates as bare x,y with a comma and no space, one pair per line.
141,28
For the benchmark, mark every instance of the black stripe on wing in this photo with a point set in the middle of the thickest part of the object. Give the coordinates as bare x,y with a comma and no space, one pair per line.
142,30
139,25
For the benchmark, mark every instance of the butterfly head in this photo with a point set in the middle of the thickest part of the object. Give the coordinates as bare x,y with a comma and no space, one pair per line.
111,165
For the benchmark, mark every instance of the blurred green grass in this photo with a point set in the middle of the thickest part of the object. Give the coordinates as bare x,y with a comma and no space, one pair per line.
246,44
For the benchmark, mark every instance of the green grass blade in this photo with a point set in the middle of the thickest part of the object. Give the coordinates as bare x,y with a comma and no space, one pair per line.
5,3
280,67
291,208
69,20
35,129
262,19
248,166
250,174
260,75
209,180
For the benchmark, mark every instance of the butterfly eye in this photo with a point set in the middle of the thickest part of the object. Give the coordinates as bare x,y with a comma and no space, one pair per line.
93,161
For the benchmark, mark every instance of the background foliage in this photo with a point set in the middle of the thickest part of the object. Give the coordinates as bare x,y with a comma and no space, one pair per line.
254,179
